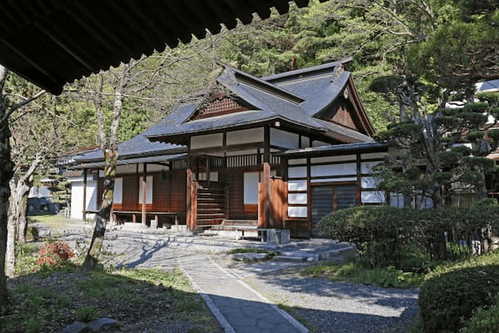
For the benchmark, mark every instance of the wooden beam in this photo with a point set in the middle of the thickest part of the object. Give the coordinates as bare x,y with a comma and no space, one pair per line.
266,144
144,194
85,173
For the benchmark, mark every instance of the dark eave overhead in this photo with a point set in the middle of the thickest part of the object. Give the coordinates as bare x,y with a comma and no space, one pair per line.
53,42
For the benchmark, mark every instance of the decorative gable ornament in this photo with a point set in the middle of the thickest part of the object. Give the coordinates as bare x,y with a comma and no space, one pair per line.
219,102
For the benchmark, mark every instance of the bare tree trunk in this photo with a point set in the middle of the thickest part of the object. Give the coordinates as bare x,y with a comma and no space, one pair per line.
10,253
6,172
110,149
101,219
22,229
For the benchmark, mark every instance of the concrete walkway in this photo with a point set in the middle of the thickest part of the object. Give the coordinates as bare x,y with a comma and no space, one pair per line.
237,306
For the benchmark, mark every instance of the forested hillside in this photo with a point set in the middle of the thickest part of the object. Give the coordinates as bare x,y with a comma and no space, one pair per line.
398,50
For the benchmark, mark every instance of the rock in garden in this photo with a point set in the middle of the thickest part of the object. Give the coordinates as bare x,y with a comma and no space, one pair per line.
77,327
103,324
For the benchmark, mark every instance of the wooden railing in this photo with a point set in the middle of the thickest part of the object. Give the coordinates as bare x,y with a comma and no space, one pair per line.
249,160
239,161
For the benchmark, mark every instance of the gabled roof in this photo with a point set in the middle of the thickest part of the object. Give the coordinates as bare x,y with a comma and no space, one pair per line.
296,97
55,42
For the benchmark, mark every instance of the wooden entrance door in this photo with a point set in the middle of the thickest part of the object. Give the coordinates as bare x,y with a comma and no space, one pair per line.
327,199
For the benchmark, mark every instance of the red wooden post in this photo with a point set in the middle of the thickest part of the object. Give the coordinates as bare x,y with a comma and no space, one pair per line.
191,193
144,195
194,205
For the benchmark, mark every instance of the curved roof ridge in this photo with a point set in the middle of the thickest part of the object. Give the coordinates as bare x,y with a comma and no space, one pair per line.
307,70
255,82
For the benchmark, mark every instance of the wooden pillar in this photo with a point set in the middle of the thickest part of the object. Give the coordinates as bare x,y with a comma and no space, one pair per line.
85,174
264,197
190,214
144,194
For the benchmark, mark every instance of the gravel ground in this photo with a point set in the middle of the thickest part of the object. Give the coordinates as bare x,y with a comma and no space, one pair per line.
322,305
326,306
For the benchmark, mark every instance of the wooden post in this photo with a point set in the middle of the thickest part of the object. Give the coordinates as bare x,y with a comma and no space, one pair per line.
144,195
194,205
85,194
264,192
188,205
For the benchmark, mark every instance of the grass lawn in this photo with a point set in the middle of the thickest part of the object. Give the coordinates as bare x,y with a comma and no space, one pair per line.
48,300
52,221
390,277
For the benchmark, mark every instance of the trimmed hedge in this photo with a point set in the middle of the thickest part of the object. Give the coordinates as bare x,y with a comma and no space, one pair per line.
449,299
385,235
484,320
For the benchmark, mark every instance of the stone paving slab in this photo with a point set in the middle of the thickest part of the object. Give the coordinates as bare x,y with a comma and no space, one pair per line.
237,306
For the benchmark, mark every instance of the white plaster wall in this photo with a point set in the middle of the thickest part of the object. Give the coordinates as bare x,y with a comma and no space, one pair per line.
297,198
373,197
242,152
207,141
149,187
297,172
132,168
369,182
77,197
251,180
118,191
284,139
333,170
297,161
253,135
297,185
297,211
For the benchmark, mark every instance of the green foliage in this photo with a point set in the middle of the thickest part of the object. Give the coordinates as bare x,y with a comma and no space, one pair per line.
447,300
441,154
484,320
356,272
410,239
48,301
87,314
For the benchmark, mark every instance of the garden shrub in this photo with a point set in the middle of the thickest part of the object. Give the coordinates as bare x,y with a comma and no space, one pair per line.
412,238
447,300
484,320
54,254
32,234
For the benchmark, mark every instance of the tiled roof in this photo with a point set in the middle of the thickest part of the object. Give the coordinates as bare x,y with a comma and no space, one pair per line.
137,146
295,98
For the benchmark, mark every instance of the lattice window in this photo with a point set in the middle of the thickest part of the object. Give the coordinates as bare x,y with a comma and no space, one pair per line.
218,106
